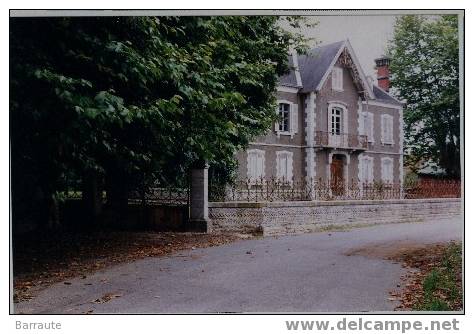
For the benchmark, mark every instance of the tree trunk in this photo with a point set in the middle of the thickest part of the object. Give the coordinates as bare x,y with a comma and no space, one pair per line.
117,197
92,198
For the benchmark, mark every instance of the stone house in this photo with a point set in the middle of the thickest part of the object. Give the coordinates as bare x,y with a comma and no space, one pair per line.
335,125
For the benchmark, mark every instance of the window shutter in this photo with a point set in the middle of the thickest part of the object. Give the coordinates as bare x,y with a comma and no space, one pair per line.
278,168
339,78
382,126
390,129
289,167
294,118
283,166
371,171
336,78
250,165
254,166
366,124
370,127
259,166
390,172
384,170
277,124
329,120
367,170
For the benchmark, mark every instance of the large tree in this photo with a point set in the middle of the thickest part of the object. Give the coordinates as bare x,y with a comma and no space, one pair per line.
425,74
131,100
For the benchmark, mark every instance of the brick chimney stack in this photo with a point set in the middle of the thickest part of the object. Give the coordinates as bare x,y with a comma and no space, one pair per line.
383,72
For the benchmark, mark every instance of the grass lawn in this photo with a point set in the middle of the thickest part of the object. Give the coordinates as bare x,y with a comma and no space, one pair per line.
442,288
436,282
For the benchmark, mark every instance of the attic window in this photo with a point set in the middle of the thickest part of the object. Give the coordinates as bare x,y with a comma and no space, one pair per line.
337,78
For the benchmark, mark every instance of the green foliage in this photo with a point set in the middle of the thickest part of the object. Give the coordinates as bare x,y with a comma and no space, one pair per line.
411,180
425,70
138,99
441,282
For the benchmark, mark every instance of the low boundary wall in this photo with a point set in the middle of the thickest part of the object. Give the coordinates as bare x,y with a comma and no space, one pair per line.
273,218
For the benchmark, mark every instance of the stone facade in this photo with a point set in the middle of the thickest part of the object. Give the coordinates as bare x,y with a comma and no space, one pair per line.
273,218
312,103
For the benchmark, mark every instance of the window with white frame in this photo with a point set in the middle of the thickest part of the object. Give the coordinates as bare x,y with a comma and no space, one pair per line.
369,126
284,165
255,164
287,118
387,129
366,167
284,113
387,170
336,78
336,120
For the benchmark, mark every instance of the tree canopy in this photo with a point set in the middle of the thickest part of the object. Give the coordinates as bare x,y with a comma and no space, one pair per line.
425,74
138,99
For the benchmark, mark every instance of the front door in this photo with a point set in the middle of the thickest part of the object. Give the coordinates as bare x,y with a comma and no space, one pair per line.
337,176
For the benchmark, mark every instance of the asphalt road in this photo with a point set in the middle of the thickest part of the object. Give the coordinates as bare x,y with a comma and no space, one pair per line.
302,273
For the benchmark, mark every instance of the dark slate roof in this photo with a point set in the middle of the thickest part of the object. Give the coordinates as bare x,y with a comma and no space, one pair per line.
289,79
314,65
383,96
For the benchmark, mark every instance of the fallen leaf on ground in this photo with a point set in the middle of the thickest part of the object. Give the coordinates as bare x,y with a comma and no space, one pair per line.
67,254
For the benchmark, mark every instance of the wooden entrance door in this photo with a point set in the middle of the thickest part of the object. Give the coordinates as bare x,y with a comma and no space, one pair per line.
337,176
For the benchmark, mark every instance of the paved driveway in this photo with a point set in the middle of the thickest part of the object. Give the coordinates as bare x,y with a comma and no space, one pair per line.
303,273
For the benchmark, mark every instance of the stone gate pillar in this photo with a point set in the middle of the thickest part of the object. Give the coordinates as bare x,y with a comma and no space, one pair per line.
199,210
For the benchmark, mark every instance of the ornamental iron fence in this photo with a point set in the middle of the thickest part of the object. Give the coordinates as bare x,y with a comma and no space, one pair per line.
275,189
169,195
156,195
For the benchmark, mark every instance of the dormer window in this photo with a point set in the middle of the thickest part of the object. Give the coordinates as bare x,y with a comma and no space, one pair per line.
337,79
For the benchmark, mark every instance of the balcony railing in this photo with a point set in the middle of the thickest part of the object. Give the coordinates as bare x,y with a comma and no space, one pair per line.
342,140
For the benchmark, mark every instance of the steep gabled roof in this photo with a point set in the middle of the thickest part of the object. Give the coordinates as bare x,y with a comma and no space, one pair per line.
289,79
383,96
315,66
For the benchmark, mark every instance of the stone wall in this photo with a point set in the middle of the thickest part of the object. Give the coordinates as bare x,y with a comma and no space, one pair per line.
275,218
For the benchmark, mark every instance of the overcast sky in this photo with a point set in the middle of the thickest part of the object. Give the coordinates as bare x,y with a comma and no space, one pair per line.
368,35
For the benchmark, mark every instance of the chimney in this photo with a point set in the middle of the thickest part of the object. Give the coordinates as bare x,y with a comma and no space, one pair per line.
383,72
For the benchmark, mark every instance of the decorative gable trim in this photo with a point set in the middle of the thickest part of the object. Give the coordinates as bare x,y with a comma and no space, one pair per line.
347,46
